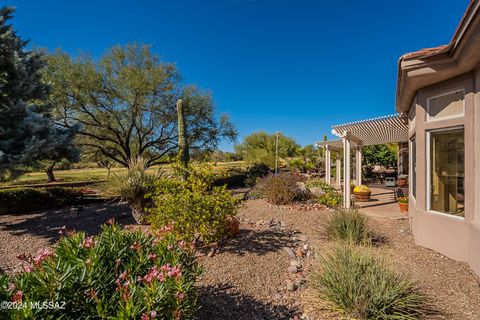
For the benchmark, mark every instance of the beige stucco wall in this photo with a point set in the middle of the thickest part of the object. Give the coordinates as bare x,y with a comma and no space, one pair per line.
455,237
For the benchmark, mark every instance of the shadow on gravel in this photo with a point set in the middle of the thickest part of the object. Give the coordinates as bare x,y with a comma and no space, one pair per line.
259,242
46,224
220,303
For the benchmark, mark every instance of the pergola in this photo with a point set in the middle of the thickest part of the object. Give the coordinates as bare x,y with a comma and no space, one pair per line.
381,130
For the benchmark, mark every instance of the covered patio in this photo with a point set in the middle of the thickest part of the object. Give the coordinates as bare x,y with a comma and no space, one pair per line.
354,136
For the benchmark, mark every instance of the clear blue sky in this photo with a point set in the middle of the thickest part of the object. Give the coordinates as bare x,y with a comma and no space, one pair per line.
294,65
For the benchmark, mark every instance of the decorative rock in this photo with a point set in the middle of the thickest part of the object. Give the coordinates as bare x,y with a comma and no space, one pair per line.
305,247
293,269
290,286
303,238
290,251
296,263
299,252
211,253
317,191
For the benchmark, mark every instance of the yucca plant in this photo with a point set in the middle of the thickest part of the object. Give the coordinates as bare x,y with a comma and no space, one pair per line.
347,225
134,186
353,282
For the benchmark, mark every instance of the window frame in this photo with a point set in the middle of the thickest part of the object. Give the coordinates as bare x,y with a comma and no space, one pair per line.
428,168
412,171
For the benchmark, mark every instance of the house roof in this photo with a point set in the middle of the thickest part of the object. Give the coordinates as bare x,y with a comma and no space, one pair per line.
429,66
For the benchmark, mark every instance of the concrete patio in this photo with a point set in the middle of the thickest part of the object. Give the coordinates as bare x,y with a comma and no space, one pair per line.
382,203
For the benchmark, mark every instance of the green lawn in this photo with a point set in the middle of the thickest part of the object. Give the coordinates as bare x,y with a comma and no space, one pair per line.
76,175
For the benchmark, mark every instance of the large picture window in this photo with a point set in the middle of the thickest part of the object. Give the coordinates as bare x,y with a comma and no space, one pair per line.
447,171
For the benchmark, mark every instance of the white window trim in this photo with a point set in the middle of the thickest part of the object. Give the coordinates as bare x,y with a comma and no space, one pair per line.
461,115
410,167
428,173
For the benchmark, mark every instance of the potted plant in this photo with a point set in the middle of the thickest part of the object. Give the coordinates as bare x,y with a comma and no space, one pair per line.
362,193
403,203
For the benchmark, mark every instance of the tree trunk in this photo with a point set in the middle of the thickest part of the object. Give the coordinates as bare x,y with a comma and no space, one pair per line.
49,171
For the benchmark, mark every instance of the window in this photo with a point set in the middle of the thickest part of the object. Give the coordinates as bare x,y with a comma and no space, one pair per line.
447,171
413,161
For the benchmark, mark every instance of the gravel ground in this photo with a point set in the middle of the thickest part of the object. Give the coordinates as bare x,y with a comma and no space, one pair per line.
247,277
28,233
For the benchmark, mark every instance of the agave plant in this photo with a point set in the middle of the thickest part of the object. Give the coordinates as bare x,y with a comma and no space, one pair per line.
134,187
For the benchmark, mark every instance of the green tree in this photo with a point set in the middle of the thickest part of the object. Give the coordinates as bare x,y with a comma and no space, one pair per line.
259,147
125,106
27,133
380,154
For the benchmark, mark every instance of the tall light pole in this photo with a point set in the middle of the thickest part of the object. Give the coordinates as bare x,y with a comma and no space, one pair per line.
276,153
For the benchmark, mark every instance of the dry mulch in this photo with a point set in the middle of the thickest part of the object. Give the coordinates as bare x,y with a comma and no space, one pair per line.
246,276
30,232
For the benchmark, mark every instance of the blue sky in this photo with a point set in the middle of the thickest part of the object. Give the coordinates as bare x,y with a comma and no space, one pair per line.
296,66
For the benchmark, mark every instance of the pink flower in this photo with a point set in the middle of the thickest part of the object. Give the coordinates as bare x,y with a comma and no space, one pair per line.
198,254
111,221
41,255
175,272
62,230
153,314
89,242
136,246
180,296
169,247
11,286
181,244
165,267
145,316
27,268
152,256
17,297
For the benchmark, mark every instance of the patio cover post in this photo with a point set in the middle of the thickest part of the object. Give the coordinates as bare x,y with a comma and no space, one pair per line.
338,166
358,166
346,171
328,165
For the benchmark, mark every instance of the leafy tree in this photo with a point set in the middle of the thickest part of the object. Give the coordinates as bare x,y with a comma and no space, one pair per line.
27,133
125,105
380,154
259,147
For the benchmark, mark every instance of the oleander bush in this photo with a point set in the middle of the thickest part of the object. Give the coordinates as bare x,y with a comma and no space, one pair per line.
348,225
354,283
282,188
27,199
117,274
189,204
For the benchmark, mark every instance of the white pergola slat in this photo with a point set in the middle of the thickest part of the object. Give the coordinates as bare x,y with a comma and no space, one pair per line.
381,130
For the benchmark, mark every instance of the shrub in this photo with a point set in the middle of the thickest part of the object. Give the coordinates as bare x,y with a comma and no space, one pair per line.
134,187
117,275
255,172
192,207
330,196
28,199
282,188
347,225
331,199
353,282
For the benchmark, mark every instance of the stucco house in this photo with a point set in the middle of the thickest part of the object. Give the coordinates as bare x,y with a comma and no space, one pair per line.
438,118
439,89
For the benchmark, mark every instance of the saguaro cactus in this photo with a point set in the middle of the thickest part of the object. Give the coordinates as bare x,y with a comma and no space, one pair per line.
183,149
